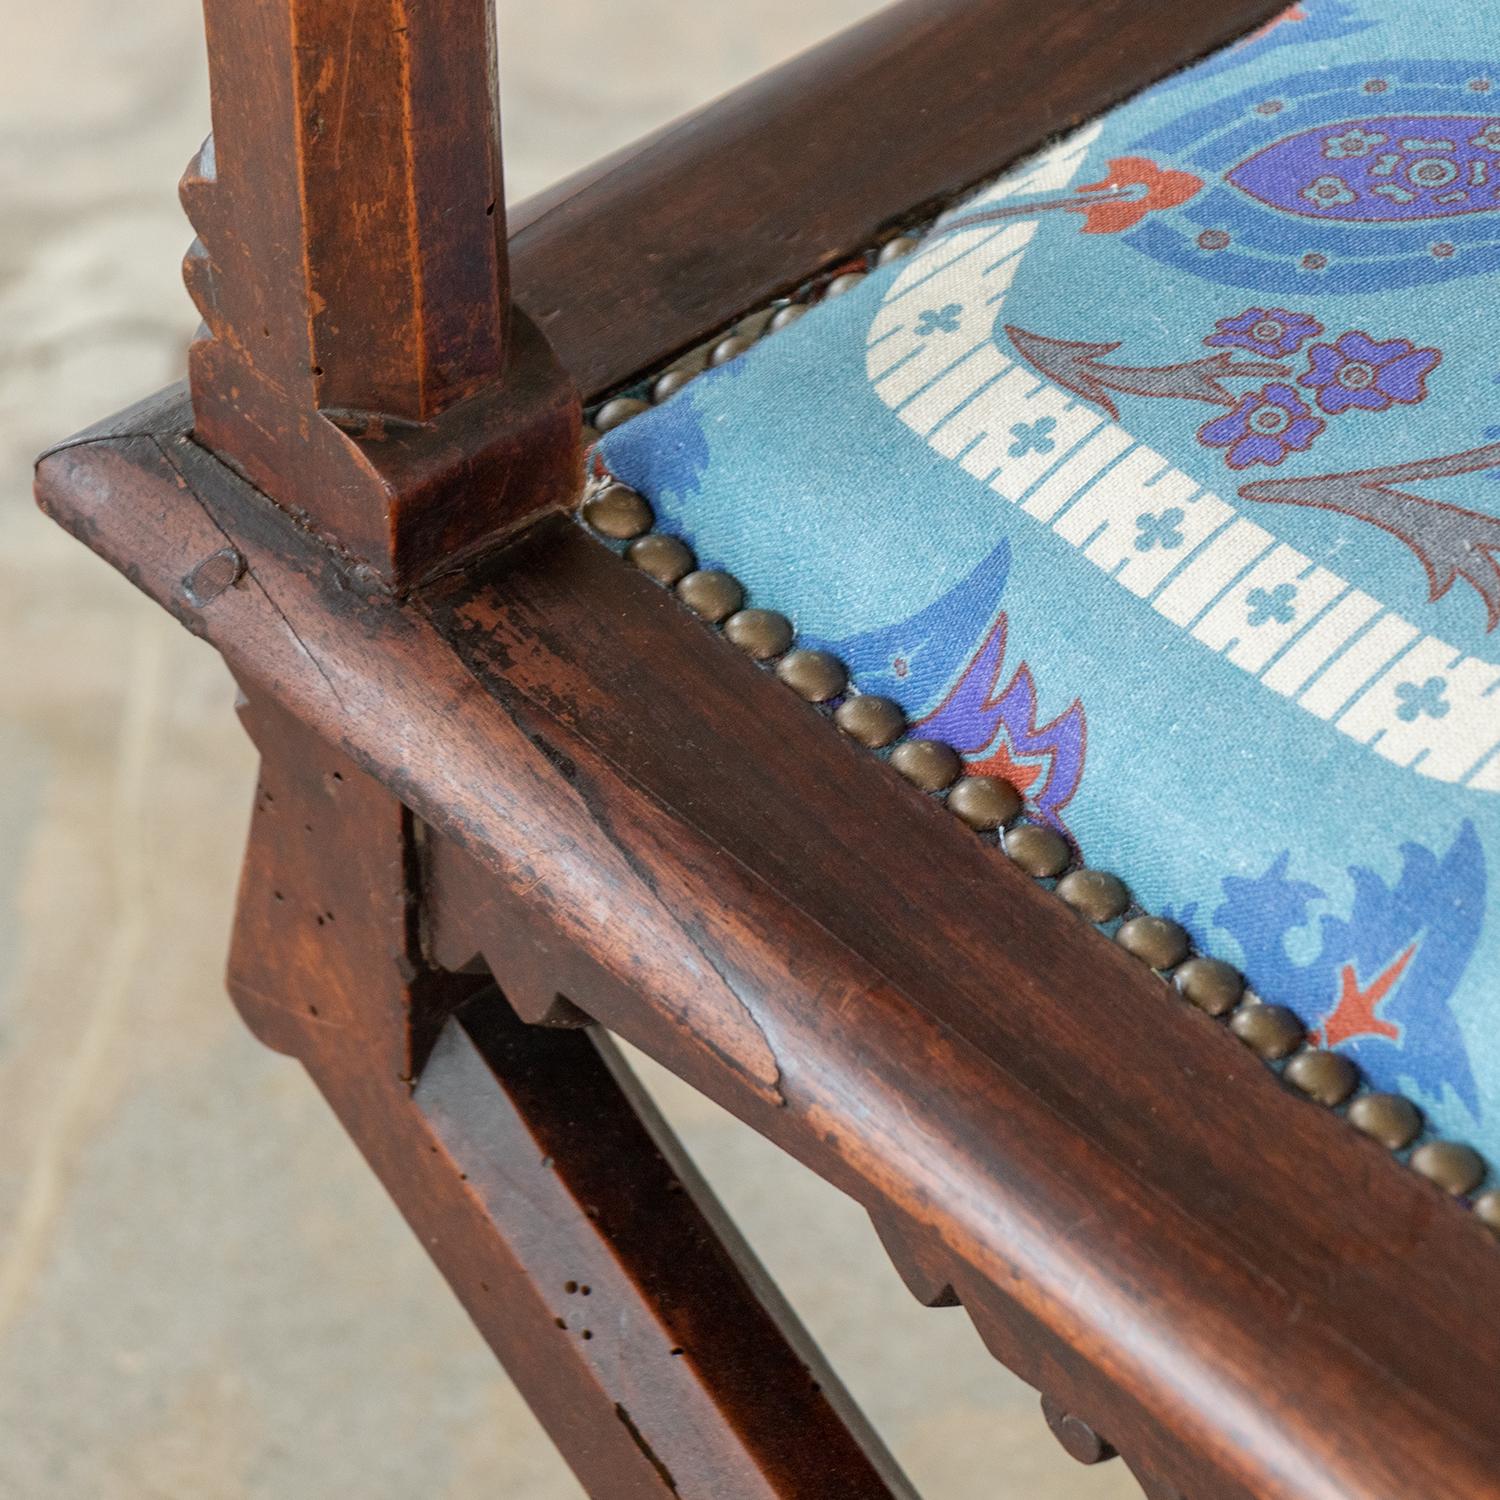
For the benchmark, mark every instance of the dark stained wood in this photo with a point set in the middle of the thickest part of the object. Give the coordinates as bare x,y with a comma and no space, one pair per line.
371,131
552,1196
1246,1296
635,260
360,360
1079,1441
917,1261
530,763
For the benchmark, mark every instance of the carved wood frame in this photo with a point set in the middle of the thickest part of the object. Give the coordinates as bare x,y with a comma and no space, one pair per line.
482,756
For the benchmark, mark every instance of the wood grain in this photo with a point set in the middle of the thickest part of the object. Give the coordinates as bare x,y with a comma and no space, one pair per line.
1224,1281
593,1258
360,359
632,262
526,761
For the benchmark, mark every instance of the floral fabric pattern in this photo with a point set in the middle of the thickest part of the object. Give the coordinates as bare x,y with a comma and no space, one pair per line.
1159,481
1356,372
1264,428
1271,331
1354,142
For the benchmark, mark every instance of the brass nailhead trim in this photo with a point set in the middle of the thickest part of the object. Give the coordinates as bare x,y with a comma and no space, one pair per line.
1211,984
1454,1168
1327,1077
1039,850
873,721
814,675
1156,941
987,803
1272,1031
663,558
897,249
1487,1209
667,385
1387,1118
731,348
760,633
619,411
710,594
928,764
845,283
753,325
984,802
618,513
1095,894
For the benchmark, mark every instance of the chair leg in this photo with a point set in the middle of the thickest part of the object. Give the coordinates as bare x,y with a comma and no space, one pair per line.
591,1257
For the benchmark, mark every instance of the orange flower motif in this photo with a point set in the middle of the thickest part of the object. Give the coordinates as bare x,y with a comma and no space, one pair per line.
1142,186
1296,12
1354,1014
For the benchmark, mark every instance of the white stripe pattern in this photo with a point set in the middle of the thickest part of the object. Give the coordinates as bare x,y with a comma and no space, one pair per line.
1343,657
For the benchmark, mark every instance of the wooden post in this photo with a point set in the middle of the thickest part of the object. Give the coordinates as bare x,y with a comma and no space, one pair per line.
592,1257
360,359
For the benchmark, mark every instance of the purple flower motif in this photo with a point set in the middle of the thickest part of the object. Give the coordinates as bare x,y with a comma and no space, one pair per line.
1270,331
1359,373
1266,426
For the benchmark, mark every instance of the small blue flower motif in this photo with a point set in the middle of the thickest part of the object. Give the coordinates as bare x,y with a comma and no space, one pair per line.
1271,604
1488,139
1160,529
939,320
1353,143
1422,699
1329,192
1270,331
1033,437
1357,372
1265,426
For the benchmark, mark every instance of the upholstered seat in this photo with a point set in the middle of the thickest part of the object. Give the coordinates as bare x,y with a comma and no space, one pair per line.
1135,511
1159,481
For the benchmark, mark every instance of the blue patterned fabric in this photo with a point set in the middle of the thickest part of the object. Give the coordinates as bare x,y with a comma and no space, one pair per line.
1164,480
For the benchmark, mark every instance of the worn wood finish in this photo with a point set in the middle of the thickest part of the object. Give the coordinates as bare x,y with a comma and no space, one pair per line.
633,261
360,360
552,1196
529,762
628,813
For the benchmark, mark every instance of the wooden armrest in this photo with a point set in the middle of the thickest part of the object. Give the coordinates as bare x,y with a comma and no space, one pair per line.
643,255
1245,1296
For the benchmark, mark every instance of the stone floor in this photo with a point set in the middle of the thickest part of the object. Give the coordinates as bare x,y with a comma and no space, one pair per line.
202,1293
